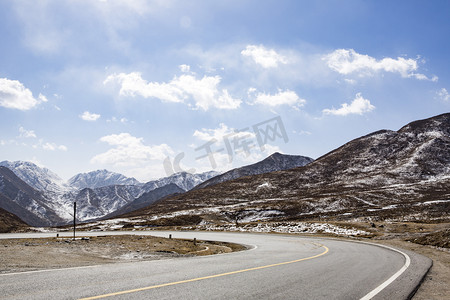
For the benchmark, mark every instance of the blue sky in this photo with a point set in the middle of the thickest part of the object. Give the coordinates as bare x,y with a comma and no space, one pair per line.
145,88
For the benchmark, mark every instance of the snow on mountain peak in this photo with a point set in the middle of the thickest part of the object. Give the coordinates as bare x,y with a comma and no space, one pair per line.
41,179
184,180
100,178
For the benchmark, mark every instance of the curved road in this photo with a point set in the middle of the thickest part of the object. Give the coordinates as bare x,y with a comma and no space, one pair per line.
278,267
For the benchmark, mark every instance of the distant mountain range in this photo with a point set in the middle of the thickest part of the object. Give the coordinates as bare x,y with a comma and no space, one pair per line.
41,198
395,175
401,175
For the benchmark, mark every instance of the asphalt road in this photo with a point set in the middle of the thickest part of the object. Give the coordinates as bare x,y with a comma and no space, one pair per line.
277,267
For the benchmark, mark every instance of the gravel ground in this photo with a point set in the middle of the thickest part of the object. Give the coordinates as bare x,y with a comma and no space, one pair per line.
18,255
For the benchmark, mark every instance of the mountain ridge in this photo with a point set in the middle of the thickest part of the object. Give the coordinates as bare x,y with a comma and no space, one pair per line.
97,193
272,163
41,179
100,178
20,199
372,176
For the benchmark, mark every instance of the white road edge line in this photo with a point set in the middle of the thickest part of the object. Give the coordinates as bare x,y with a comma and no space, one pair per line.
48,270
382,286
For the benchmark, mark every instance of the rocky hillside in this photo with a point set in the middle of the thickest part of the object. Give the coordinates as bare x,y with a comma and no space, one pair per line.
99,202
148,198
386,174
10,222
30,205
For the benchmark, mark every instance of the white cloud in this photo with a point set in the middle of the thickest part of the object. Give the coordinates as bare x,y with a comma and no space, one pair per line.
267,58
42,98
204,92
133,85
130,151
49,146
286,97
8,142
221,133
114,119
184,68
348,61
38,144
15,95
358,106
225,162
443,94
52,147
224,148
26,133
87,116
251,91
351,81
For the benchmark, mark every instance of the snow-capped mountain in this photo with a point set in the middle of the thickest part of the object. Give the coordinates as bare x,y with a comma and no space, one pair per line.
98,202
148,198
29,204
100,178
404,175
184,180
41,179
42,198
275,162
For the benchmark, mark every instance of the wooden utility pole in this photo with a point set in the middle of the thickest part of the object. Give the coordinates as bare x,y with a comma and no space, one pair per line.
74,218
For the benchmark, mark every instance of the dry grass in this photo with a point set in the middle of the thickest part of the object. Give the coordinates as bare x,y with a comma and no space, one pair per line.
439,239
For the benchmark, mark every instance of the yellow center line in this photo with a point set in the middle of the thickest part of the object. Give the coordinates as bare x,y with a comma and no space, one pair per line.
206,277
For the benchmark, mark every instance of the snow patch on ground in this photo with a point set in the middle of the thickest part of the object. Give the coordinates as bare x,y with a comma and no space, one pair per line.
259,215
390,206
109,224
432,202
287,227
264,186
